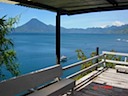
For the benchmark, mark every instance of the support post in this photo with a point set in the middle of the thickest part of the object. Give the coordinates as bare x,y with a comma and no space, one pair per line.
104,60
58,38
125,59
97,53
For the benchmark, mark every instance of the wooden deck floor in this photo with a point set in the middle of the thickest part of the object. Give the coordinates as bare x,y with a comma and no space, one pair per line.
108,83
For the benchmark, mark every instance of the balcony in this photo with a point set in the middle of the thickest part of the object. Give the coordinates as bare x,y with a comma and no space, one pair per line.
100,80
104,81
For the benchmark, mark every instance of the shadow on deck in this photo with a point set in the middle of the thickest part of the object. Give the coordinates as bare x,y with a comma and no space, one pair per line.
108,83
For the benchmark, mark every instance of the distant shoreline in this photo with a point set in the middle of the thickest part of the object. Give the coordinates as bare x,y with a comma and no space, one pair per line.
67,33
34,25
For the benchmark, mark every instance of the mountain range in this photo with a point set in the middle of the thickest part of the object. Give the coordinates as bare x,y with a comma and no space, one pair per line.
34,25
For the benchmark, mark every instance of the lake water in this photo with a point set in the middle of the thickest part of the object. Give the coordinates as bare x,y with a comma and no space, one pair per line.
36,51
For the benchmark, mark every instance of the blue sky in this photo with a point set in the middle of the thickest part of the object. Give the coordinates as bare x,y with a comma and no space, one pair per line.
96,19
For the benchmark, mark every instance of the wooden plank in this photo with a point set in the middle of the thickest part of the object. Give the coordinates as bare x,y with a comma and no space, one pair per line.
116,77
55,89
84,81
85,70
113,75
115,53
117,62
114,83
112,78
120,68
118,83
82,62
31,80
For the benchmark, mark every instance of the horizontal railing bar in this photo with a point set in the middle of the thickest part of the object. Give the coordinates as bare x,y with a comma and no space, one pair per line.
117,62
115,53
85,70
81,62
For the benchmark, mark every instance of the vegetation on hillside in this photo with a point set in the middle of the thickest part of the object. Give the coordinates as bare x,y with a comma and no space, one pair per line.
7,53
81,56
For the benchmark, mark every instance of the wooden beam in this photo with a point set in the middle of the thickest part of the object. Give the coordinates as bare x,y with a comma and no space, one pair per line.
98,9
32,4
113,2
58,38
82,62
64,11
117,62
115,53
85,70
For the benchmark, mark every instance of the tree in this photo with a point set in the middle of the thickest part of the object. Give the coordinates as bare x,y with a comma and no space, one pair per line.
82,56
7,53
112,57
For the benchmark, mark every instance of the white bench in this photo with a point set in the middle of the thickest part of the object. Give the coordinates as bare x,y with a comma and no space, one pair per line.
120,68
36,79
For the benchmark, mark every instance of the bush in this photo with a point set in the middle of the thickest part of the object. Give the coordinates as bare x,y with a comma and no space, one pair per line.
7,53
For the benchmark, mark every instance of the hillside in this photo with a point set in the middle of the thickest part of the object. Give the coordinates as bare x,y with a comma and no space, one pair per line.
35,25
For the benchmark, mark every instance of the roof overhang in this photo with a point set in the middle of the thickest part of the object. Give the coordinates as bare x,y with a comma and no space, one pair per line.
70,7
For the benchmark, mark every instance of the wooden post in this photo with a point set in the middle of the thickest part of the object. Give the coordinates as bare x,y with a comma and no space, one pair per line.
58,38
105,60
97,53
125,59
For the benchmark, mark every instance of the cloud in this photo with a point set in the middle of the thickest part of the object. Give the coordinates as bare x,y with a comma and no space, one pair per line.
115,23
118,23
103,26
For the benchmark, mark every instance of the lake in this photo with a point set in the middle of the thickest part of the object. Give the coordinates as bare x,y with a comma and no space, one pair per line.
37,50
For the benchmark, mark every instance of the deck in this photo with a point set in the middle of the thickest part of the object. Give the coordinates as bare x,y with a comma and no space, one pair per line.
108,83
100,81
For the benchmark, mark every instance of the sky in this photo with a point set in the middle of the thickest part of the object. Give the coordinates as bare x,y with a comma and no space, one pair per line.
88,20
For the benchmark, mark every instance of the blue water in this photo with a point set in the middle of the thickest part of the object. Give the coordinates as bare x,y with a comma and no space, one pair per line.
36,51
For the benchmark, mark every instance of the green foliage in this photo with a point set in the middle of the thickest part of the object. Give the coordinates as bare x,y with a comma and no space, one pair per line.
82,56
7,53
112,57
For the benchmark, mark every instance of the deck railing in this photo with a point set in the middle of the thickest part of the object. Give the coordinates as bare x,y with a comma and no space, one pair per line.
83,62
123,55
103,61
